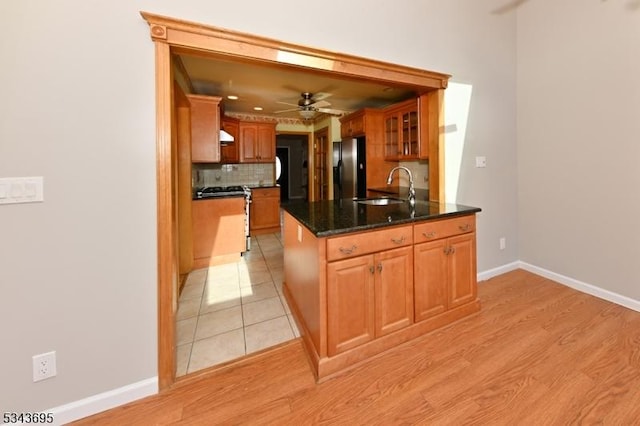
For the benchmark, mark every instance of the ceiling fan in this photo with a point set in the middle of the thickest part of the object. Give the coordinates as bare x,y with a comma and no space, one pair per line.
308,106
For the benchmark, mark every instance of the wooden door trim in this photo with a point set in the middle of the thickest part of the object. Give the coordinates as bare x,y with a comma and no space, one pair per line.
309,136
172,35
322,132
167,259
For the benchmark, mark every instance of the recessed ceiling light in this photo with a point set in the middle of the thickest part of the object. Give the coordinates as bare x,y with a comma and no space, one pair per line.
257,108
232,97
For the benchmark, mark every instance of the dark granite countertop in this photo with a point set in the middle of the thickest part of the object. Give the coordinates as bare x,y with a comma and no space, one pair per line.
263,186
401,192
327,218
219,197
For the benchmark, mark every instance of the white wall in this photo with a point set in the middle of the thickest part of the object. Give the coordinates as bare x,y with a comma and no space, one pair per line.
579,140
78,272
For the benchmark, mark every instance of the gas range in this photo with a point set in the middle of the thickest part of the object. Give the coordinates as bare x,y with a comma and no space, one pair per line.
221,191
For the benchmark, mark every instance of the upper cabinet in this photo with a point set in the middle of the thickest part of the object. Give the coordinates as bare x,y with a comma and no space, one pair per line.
402,131
230,153
353,125
257,142
205,128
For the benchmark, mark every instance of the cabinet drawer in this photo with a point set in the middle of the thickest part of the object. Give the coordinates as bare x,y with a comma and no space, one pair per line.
265,192
370,242
429,231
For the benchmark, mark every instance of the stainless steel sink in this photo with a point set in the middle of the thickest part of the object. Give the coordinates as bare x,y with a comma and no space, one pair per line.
383,201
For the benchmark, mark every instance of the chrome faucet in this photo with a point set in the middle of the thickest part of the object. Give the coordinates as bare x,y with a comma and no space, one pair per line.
412,190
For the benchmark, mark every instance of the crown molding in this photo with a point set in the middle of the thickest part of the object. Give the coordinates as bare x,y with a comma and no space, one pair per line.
219,42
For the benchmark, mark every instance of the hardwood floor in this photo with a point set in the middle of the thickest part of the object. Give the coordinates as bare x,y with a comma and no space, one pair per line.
538,353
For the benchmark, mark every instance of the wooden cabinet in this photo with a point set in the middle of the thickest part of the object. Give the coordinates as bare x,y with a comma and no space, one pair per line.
355,295
230,153
372,295
264,211
257,142
393,290
205,128
350,303
218,230
367,124
445,265
353,125
402,131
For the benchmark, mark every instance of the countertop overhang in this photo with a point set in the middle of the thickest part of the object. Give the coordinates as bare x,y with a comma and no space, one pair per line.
334,217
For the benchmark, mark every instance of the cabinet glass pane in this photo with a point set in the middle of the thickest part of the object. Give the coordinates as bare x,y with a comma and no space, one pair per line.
391,137
410,133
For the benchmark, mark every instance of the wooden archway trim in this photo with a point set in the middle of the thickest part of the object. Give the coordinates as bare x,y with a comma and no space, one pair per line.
177,36
208,39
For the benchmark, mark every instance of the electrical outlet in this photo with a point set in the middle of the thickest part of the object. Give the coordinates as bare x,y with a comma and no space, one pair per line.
44,366
503,243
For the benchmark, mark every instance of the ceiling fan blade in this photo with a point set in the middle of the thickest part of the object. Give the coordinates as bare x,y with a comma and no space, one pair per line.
331,111
320,104
286,103
286,110
321,95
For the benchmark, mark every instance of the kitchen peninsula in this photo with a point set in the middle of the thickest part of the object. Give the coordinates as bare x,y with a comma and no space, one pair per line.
361,277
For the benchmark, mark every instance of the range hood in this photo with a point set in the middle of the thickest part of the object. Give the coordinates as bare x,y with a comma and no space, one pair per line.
225,138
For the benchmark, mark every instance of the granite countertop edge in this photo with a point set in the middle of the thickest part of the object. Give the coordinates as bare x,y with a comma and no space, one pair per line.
320,229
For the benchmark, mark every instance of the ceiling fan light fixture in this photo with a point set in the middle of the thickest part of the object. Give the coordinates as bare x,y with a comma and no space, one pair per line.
307,114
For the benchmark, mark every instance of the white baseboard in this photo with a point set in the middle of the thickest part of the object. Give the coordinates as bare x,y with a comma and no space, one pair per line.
107,400
610,296
103,401
607,295
483,276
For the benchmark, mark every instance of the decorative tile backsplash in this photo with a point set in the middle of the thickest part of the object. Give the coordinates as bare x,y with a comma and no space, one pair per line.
232,174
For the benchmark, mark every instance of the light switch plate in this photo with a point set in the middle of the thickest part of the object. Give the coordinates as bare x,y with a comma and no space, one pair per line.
21,190
481,161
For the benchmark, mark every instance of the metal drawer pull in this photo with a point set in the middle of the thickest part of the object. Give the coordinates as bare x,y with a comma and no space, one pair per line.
379,267
449,250
371,269
465,227
430,234
348,250
398,240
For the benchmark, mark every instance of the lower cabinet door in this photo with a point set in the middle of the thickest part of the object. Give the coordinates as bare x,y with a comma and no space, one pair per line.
350,303
431,282
393,290
462,269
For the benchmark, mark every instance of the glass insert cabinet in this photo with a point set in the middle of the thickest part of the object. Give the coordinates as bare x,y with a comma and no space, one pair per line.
401,129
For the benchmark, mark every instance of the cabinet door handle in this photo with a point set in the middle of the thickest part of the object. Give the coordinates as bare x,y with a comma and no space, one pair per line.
465,227
430,234
398,240
348,250
453,250
447,250
380,267
371,269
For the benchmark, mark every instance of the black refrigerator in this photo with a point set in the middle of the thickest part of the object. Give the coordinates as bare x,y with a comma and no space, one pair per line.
350,168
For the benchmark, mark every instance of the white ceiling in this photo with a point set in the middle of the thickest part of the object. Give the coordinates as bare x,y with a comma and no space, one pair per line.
277,88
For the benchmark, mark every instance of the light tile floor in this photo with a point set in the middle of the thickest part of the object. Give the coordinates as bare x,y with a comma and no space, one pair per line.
228,311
